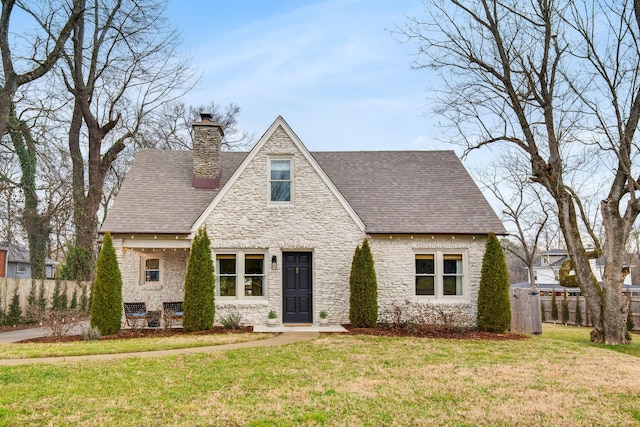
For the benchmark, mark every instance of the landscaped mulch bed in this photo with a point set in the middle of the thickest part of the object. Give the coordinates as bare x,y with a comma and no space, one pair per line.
429,331
416,331
140,333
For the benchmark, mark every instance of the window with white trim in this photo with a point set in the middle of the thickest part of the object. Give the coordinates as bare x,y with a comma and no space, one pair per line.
240,275
21,267
280,180
226,275
439,274
150,269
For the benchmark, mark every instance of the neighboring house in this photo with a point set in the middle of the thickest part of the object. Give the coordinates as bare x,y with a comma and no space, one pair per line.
16,264
284,224
545,272
3,259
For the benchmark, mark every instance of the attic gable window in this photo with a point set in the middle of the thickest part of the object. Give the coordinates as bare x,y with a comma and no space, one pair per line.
280,180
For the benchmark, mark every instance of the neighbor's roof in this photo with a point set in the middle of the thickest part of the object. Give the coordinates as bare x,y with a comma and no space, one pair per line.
407,192
16,253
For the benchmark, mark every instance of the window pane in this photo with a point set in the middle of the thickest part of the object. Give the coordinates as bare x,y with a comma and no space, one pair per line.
280,191
152,264
152,276
253,287
452,264
227,265
227,286
281,170
253,266
424,264
452,285
425,285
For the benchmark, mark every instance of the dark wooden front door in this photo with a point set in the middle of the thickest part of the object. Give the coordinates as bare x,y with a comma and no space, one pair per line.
297,287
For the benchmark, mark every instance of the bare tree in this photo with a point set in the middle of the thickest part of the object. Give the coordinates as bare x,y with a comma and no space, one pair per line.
170,128
122,65
559,80
54,23
524,210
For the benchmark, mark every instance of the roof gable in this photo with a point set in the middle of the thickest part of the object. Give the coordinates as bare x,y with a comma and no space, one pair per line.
384,192
277,124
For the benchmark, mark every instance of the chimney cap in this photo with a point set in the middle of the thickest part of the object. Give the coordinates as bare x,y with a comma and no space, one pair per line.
206,117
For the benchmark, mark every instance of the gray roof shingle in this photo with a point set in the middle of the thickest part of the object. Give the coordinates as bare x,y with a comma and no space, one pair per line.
408,192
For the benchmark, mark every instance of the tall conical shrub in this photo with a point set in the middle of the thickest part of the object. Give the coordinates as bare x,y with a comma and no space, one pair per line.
494,307
554,306
199,285
363,301
579,319
106,310
565,308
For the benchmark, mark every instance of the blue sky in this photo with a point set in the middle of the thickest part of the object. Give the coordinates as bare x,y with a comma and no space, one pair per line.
331,68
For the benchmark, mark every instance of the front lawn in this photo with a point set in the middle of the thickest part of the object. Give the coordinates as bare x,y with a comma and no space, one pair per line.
135,345
338,380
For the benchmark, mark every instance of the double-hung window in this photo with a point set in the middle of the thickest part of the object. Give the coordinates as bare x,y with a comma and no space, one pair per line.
240,275
150,267
226,275
280,180
439,274
253,275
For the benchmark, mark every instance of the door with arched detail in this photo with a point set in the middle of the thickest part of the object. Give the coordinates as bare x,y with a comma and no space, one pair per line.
297,287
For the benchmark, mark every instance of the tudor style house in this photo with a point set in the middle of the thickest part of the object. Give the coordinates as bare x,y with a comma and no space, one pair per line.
284,223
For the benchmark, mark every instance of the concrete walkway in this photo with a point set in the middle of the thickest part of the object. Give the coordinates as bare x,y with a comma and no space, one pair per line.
288,335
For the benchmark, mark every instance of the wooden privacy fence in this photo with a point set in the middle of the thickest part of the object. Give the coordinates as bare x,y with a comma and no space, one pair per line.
525,311
573,301
8,287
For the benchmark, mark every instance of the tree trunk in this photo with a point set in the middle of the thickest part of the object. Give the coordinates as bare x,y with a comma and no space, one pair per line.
608,314
35,224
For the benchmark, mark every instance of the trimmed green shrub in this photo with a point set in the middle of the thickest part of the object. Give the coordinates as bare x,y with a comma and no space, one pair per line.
106,310
73,305
32,312
14,315
543,312
59,297
199,286
42,300
554,306
565,308
630,324
494,307
84,299
579,319
363,301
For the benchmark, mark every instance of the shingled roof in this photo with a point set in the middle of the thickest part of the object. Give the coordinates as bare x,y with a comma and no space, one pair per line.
406,192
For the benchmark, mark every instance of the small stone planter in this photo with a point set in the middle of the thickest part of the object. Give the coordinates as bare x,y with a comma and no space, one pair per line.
324,322
271,322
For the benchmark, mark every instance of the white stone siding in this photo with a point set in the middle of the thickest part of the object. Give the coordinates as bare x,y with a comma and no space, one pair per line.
315,221
395,269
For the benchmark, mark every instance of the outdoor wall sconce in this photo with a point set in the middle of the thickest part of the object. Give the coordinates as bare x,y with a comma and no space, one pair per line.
274,262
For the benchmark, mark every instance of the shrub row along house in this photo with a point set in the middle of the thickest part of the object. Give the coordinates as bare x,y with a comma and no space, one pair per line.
284,223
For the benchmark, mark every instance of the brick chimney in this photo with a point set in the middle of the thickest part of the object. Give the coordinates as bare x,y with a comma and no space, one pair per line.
207,140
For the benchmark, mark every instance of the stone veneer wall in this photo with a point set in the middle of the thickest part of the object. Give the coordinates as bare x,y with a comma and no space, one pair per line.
395,268
315,222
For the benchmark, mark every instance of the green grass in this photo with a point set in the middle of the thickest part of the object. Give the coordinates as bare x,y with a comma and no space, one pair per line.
135,345
558,379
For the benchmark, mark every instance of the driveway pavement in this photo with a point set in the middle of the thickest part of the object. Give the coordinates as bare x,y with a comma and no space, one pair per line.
25,334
